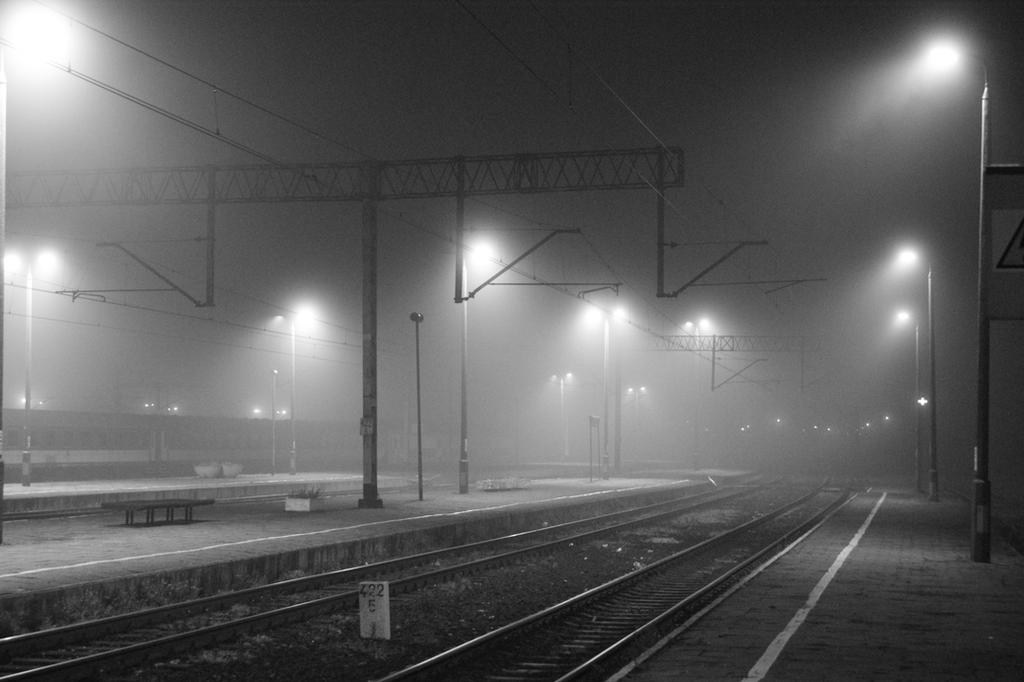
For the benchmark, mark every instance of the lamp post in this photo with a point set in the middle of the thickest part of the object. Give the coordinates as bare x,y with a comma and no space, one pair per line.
903,317
944,56
561,379
417,318
702,326
635,394
293,452
12,262
273,422
26,454
907,257
32,22
300,316
981,519
3,275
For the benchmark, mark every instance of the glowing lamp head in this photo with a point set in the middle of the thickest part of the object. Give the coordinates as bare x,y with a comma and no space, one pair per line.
39,32
942,56
907,258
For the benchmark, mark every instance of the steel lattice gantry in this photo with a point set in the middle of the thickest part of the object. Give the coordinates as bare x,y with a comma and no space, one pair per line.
719,343
368,182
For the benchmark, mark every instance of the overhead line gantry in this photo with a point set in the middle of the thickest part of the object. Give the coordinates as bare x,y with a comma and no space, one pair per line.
367,182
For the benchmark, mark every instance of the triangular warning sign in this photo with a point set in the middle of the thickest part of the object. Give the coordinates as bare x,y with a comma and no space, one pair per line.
1013,254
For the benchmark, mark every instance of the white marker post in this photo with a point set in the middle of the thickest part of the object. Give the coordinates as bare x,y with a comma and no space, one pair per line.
374,610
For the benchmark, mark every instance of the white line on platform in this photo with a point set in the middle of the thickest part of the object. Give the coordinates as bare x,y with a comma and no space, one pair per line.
771,654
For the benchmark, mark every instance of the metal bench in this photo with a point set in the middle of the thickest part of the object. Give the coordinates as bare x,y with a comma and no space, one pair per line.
129,507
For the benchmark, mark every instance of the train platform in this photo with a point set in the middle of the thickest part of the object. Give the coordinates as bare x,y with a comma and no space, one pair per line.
93,557
886,590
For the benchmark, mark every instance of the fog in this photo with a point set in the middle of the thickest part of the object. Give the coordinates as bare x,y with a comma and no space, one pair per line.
800,127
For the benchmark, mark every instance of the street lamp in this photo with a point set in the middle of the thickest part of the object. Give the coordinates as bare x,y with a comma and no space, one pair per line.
910,257
697,329
593,314
273,422
303,315
21,31
944,56
561,379
635,394
45,261
417,318
904,317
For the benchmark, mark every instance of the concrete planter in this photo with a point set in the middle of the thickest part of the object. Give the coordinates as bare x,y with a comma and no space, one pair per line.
207,470
230,469
304,504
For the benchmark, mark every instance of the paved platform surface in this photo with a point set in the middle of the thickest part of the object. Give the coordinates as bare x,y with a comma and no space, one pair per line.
885,591
52,553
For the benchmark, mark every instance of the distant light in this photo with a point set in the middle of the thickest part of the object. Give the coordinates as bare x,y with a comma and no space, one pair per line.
922,401
257,411
886,417
778,420
12,262
903,316
47,262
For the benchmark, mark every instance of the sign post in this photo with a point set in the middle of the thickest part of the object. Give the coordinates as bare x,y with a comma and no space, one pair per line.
374,610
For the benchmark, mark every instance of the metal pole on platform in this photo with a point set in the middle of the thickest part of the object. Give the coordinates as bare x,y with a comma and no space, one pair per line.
933,446
273,423
3,277
417,318
291,417
26,454
982,516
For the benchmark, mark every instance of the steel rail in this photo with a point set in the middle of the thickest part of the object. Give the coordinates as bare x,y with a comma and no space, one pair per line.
19,647
499,638
697,605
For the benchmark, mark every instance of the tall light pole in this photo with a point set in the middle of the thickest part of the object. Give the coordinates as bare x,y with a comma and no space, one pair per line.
902,317
944,55
32,23
635,394
561,379
3,275
26,454
300,316
910,257
981,519
273,422
293,451
417,318
45,260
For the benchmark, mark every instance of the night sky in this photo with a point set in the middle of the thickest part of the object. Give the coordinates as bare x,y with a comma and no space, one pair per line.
808,125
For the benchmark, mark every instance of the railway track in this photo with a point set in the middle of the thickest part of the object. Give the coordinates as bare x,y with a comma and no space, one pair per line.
101,646
593,634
